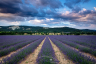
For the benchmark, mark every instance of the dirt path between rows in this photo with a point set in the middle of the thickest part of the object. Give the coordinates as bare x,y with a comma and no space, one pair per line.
1,58
31,58
60,56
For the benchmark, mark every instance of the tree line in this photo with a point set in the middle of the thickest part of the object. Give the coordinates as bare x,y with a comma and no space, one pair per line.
45,33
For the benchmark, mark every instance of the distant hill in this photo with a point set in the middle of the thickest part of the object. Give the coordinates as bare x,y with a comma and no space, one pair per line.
41,29
61,29
19,28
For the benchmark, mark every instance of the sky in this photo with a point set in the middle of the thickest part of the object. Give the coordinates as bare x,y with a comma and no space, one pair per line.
80,14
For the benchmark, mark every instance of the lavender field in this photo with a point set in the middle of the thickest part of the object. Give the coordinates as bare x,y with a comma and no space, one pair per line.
73,49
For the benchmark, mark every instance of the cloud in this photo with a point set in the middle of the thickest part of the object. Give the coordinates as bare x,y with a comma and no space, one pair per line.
84,26
33,8
72,3
6,15
7,23
66,13
35,21
47,19
9,6
95,8
46,3
17,7
13,18
13,1
75,4
50,16
76,9
84,9
85,12
84,15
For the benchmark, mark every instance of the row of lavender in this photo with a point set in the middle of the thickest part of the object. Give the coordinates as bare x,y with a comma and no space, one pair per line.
47,54
72,54
88,48
8,49
9,40
89,41
21,54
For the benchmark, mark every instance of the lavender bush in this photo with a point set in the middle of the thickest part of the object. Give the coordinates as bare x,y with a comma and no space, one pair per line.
47,55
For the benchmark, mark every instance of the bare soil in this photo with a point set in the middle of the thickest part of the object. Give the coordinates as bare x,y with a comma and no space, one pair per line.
31,58
60,56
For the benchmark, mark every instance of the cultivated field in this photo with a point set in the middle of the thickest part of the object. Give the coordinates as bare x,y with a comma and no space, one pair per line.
52,49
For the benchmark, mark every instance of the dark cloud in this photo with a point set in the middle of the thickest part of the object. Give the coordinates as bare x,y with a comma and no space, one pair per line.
46,3
9,8
76,9
75,4
68,4
10,1
29,7
72,3
30,11
86,12
66,17
16,7
94,13
51,3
